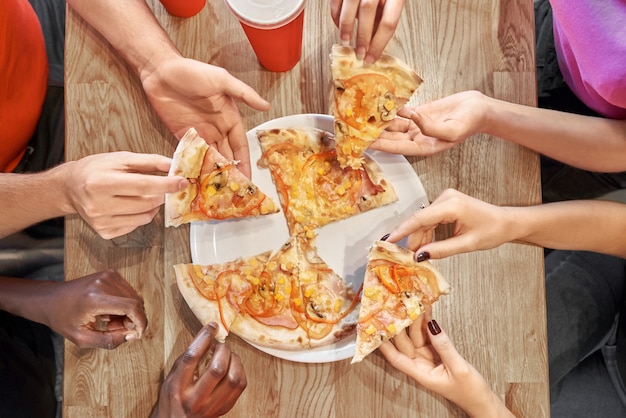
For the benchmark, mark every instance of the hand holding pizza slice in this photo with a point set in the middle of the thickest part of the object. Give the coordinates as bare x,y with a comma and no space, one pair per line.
216,189
367,98
396,291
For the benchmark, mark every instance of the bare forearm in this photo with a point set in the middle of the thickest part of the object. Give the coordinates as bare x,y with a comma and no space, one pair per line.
590,143
25,298
26,199
589,225
131,28
492,408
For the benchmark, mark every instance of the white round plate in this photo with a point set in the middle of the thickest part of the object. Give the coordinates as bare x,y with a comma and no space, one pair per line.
343,245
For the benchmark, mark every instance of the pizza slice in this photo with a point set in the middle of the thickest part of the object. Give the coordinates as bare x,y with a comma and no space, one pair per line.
396,291
214,292
271,321
313,189
367,98
216,189
326,309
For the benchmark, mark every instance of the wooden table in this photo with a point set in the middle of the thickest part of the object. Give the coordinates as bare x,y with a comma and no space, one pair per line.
496,314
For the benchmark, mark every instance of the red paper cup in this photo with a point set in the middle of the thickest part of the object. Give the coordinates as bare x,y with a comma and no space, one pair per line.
183,8
274,29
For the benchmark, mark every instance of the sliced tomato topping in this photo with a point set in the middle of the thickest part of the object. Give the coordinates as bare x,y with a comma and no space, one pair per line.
360,93
260,300
217,200
206,288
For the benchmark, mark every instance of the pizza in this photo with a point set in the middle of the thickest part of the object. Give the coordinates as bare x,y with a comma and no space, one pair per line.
396,291
312,187
367,98
289,300
216,188
209,290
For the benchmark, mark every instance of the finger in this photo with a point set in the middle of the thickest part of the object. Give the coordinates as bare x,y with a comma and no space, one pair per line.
347,17
132,308
367,17
241,150
119,225
449,130
232,386
143,163
397,145
416,333
445,349
392,11
186,364
136,184
404,344
240,91
389,351
421,221
335,10
451,246
91,338
216,370
398,125
419,239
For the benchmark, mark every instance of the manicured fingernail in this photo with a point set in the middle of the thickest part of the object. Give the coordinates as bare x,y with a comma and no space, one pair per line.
384,238
423,256
360,53
369,59
433,327
183,184
345,40
129,337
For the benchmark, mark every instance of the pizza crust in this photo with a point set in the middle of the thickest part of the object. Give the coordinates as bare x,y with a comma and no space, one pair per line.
345,64
186,162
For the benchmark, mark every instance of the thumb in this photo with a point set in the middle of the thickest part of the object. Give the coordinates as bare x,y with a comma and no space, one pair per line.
446,130
447,247
444,347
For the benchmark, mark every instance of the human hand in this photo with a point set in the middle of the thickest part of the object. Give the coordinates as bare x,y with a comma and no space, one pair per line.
188,93
425,353
115,192
214,392
97,311
434,127
477,226
378,20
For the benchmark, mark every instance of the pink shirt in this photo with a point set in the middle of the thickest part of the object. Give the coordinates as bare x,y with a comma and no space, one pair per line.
590,40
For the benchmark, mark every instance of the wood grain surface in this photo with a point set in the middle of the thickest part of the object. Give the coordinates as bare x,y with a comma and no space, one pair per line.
496,313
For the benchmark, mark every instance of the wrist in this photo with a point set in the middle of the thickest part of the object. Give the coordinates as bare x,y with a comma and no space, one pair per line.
60,180
492,407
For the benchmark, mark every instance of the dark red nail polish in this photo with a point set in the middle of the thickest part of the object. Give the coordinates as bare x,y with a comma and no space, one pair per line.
433,327
422,256
384,238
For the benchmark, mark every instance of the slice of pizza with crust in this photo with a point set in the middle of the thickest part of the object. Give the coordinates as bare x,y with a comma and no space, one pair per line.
326,309
213,292
396,291
367,98
276,325
216,189
312,187
289,300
